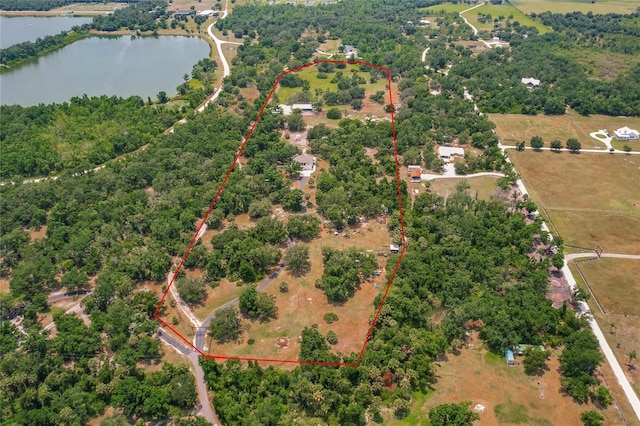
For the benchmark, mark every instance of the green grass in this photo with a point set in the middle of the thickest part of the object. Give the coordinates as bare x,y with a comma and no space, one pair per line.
513,413
447,8
484,186
311,75
612,281
566,6
502,10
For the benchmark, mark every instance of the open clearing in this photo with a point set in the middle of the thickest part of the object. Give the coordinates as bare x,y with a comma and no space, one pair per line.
592,198
512,127
304,305
502,10
494,10
614,283
484,186
566,6
507,393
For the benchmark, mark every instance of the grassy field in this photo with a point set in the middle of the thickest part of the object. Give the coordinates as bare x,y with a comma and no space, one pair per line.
446,8
612,282
592,198
484,186
509,396
603,65
622,332
566,6
369,108
511,127
505,11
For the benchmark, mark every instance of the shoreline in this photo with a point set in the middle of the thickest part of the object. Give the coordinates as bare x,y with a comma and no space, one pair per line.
53,13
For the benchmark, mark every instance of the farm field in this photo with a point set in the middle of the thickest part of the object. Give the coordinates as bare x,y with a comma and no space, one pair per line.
484,186
621,331
512,127
507,393
567,6
592,198
613,281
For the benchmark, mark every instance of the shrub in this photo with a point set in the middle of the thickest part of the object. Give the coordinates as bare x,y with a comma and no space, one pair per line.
334,114
330,317
332,337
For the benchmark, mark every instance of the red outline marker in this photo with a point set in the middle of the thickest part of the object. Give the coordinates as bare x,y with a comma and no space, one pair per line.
224,182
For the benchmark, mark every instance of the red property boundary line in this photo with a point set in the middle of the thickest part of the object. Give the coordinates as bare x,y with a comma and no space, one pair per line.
215,199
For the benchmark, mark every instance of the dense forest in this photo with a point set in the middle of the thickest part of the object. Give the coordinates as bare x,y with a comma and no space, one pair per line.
21,52
76,135
44,4
110,231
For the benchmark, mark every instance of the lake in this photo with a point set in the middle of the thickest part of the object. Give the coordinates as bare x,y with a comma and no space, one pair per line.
95,66
19,29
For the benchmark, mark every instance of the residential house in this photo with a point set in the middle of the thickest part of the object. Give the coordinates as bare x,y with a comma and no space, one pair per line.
626,134
350,51
530,82
410,169
416,175
308,162
447,153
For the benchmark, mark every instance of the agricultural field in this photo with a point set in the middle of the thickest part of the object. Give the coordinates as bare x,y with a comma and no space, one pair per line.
591,198
508,395
608,278
612,282
512,127
567,6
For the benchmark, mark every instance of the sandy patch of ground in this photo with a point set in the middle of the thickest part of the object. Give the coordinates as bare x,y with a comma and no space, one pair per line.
505,391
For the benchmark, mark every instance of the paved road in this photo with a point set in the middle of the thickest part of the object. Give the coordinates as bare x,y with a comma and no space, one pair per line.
632,397
573,256
424,54
597,151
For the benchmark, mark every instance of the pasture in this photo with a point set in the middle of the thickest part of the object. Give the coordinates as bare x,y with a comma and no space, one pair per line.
613,281
591,198
512,127
567,6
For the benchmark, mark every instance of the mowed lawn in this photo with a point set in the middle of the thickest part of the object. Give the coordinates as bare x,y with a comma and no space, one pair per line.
512,127
615,284
592,198
509,396
566,6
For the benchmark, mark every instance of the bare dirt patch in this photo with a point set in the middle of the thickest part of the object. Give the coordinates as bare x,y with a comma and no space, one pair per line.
37,234
4,285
